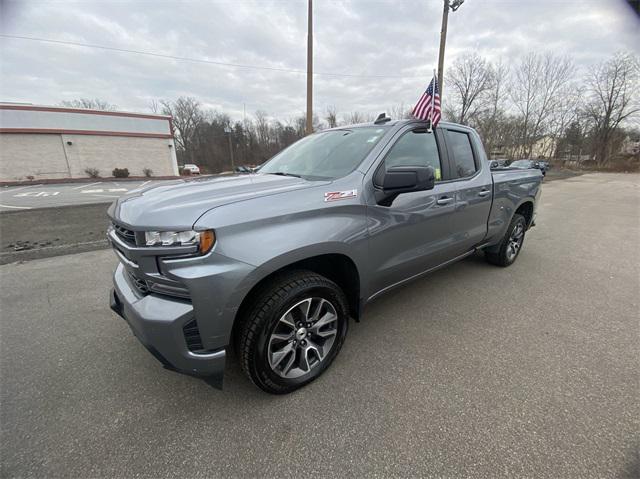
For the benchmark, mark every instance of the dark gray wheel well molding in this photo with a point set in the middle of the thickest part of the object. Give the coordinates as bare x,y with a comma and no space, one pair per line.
526,210
337,267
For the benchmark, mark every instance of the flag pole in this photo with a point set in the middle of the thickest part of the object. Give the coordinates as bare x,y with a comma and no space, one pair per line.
433,96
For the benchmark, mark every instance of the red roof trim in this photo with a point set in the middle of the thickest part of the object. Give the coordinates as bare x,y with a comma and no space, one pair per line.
54,131
84,111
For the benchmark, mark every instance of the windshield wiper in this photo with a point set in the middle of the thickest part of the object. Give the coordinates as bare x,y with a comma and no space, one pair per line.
282,173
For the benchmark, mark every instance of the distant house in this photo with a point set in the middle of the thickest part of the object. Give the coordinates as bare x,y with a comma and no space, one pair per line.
544,147
41,142
631,146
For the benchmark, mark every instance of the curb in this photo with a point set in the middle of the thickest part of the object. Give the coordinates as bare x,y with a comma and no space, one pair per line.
56,181
52,251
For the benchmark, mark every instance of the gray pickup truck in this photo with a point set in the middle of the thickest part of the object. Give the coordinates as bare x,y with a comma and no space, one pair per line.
272,265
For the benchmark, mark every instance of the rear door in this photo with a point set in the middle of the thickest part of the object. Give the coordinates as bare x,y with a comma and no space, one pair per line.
413,234
471,176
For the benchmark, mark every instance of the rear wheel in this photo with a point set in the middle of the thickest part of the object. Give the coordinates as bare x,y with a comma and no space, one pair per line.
510,246
292,332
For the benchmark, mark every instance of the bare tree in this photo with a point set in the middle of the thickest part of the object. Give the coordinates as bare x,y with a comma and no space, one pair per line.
493,123
187,117
535,91
566,113
358,117
299,124
400,112
262,128
497,94
471,79
331,117
89,104
612,88
155,107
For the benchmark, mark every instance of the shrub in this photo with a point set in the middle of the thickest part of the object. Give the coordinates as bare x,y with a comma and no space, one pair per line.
31,177
121,172
92,172
148,172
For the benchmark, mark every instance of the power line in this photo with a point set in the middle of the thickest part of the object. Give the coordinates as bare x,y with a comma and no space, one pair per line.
195,60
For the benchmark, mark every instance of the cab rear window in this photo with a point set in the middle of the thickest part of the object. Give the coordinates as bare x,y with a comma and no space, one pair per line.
460,150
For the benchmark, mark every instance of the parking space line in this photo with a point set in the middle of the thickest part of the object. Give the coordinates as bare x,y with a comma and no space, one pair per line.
17,207
106,196
85,186
10,189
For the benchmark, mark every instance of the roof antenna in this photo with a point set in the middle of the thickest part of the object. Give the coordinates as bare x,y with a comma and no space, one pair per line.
382,118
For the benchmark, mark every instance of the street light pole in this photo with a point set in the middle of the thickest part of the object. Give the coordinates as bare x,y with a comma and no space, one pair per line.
309,124
453,5
228,130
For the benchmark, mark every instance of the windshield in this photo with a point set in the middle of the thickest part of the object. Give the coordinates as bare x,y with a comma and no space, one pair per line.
522,163
326,155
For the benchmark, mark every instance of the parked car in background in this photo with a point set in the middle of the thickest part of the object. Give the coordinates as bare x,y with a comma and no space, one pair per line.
544,166
191,168
277,262
527,164
496,164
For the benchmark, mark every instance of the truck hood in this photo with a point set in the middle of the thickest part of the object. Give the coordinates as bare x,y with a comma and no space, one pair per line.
178,204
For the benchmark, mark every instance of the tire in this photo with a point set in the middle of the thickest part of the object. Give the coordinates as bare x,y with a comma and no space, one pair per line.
511,243
276,350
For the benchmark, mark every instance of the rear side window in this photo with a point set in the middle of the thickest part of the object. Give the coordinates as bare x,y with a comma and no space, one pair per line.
460,146
415,148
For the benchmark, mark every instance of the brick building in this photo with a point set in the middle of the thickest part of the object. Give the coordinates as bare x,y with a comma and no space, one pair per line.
55,142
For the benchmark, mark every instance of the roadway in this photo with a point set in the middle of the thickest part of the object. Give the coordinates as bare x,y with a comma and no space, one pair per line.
51,195
474,371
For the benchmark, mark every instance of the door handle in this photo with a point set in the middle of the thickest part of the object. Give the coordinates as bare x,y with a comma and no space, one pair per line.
484,192
445,200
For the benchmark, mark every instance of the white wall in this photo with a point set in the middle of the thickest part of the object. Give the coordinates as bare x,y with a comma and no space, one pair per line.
50,156
74,120
41,156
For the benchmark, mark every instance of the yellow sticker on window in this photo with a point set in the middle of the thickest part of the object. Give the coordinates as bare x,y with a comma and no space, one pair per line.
438,174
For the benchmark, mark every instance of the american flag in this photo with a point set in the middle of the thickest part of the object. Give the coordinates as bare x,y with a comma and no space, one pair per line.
428,106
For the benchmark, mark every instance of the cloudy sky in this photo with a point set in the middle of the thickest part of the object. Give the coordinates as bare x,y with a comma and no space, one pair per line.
369,54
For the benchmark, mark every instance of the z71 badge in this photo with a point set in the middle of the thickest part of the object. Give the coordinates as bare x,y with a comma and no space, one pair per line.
340,195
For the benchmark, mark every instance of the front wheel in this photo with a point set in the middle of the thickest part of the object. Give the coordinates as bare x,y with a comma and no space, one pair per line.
509,249
292,332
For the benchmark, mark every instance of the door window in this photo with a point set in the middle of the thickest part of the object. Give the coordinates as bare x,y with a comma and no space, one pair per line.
415,148
464,162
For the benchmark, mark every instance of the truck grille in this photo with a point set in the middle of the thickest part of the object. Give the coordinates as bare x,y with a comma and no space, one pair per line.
192,337
125,234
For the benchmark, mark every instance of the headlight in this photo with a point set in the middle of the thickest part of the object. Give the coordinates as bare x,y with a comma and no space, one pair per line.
203,239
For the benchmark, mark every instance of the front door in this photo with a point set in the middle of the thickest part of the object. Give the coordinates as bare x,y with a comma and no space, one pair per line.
414,233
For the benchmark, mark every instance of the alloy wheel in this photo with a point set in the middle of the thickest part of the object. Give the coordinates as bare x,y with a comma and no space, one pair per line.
515,241
302,337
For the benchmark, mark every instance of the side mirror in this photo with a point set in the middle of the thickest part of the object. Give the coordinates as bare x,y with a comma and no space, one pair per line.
404,179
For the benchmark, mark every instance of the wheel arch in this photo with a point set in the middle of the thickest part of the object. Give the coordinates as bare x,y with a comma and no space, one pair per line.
526,208
338,267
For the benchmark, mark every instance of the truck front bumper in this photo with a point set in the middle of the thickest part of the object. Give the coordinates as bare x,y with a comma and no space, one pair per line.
158,323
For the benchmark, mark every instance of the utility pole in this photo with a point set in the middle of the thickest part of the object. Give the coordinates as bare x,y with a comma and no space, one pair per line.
453,5
309,126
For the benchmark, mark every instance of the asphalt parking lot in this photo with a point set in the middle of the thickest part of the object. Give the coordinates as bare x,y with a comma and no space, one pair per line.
474,371
46,196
